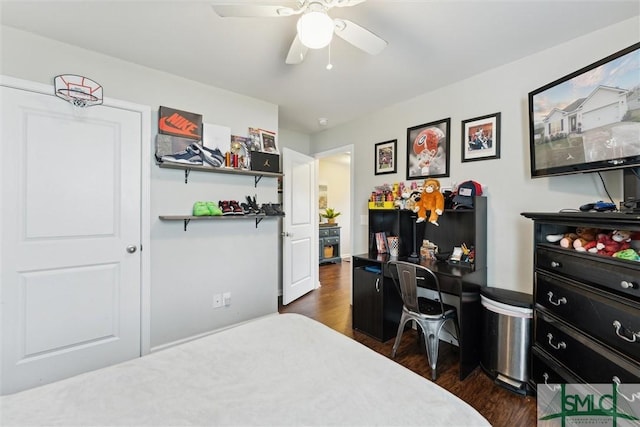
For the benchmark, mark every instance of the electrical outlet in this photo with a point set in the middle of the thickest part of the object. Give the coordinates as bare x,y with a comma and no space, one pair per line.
217,300
226,299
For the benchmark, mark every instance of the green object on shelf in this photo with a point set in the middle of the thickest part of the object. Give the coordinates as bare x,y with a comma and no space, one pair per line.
331,214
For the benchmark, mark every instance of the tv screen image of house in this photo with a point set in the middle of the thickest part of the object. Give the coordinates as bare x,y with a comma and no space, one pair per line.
588,120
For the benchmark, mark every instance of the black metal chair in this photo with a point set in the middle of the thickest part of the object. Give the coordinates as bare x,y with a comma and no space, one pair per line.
429,314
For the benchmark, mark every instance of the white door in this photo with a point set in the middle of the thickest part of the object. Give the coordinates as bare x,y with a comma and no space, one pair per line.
300,226
70,256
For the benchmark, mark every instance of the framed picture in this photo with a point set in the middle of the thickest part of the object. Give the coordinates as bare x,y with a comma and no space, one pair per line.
385,157
322,196
428,150
481,138
268,141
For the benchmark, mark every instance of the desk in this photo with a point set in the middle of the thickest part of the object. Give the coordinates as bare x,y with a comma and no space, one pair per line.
377,305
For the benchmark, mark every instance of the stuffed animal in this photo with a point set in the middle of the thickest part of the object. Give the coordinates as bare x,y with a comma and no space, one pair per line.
610,243
566,241
586,239
411,198
431,200
628,254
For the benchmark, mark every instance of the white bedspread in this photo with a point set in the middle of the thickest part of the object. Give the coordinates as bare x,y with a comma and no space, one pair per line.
277,370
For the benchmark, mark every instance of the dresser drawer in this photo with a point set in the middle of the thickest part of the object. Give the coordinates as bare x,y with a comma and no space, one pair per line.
606,317
622,277
334,232
588,360
328,241
324,232
544,370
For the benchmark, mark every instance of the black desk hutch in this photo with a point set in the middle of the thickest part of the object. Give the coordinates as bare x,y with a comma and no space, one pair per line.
377,305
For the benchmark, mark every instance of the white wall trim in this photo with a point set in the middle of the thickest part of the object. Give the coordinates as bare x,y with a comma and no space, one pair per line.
145,191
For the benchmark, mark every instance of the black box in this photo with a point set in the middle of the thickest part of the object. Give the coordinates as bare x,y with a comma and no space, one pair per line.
265,162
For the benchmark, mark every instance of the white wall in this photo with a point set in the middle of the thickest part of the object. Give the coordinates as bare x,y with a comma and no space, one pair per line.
296,141
187,268
510,189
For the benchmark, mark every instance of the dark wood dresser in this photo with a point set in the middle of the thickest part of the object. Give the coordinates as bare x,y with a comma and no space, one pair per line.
587,306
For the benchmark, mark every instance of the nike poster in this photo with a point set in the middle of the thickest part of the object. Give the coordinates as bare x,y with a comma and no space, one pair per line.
180,123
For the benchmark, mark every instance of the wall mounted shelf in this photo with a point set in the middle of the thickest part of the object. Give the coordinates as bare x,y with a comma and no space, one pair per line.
230,171
188,218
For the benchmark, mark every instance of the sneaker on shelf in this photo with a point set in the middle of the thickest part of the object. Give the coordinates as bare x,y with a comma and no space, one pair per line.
200,209
247,209
254,206
277,208
225,207
237,210
212,157
186,157
268,209
213,208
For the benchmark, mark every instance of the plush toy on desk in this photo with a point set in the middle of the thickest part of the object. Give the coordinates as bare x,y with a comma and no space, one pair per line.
410,199
431,200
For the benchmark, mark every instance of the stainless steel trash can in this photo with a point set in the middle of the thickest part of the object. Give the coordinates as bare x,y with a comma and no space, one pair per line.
507,324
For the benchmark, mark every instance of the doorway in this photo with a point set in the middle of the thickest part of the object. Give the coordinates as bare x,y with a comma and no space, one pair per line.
335,189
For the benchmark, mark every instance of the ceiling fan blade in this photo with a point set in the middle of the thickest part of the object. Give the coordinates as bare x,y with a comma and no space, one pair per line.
345,3
253,11
297,52
359,36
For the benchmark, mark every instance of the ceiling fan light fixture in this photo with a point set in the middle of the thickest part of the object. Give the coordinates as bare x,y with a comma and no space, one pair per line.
315,29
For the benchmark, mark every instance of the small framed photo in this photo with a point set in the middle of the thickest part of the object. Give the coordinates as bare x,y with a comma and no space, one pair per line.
428,150
481,138
268,141
385,157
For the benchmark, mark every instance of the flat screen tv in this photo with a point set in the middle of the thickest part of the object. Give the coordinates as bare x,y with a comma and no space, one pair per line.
588,120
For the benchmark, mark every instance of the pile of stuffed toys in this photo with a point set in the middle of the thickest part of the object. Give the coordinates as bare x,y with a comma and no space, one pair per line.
621,244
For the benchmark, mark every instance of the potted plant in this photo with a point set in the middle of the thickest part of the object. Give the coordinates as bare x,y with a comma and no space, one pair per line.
331,215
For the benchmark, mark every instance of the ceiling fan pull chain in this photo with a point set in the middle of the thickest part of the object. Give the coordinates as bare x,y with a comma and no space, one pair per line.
329,64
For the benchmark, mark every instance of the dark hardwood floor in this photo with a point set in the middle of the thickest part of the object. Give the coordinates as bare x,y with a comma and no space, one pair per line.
331,305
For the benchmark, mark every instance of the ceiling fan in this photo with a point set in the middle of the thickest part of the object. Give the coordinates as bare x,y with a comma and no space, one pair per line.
315,28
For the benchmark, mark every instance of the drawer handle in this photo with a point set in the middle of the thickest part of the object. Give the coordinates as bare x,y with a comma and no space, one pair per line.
617,382
628,285
561,344
560,301
555,264
378,284
618,326
546,382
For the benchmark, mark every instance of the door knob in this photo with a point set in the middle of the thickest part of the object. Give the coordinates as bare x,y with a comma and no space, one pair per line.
132,248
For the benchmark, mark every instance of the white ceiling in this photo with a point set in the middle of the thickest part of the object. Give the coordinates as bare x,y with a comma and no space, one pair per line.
431,44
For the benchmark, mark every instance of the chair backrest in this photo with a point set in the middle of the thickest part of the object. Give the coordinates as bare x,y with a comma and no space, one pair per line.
405,275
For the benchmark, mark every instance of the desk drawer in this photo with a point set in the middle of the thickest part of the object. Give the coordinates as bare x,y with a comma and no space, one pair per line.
623,277
590,361
592,311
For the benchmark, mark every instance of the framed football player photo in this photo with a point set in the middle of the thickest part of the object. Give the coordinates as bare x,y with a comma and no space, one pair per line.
481,138
385,157
428,150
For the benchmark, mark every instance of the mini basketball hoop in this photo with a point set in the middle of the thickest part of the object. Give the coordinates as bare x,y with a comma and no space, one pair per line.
78,90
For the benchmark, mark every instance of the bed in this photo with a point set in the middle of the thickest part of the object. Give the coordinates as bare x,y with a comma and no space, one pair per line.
282,369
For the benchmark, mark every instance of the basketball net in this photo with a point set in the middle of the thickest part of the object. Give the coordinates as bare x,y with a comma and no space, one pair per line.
79,91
